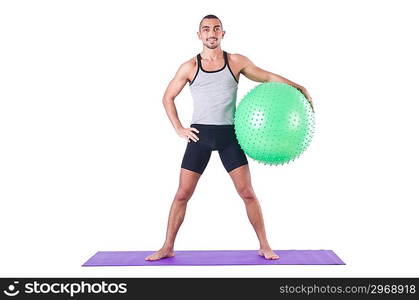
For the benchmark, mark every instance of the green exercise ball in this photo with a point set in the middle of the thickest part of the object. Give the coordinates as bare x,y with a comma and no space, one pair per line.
274,123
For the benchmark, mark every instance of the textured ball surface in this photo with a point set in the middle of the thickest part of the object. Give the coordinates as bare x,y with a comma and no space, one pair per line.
274,123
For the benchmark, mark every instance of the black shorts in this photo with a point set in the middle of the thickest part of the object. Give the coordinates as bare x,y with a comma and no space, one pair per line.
213,137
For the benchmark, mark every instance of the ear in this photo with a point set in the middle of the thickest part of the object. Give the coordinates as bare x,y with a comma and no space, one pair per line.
198,34
223,34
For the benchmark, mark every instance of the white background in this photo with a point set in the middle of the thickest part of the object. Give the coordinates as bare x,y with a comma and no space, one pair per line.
90,162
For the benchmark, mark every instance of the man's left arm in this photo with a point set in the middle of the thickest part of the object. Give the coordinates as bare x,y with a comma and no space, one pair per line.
251,71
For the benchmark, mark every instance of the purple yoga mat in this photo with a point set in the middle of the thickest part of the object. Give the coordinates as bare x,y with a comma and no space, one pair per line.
214,258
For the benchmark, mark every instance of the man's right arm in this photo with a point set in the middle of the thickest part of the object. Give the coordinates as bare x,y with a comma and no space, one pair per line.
173,89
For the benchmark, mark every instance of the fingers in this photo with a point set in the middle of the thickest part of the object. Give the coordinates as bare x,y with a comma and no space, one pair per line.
190,138
311,104
193,136
188,134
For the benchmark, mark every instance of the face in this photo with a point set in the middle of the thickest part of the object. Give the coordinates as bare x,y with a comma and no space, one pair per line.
211,33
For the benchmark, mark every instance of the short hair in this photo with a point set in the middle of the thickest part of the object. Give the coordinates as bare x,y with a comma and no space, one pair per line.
209,17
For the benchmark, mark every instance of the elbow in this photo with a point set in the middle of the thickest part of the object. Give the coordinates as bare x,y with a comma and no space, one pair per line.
167,100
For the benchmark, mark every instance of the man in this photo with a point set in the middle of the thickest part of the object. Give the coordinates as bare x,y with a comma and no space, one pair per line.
213,76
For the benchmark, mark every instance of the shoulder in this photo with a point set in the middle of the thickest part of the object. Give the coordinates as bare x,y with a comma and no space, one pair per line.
188,65
239,62
187,68
238,58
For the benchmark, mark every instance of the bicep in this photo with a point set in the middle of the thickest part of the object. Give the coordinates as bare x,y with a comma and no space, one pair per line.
251,71
177,83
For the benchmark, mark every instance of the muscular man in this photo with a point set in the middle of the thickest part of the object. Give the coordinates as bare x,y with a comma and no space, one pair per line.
213,76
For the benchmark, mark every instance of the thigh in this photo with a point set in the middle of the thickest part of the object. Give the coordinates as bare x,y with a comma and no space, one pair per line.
231,154
196,157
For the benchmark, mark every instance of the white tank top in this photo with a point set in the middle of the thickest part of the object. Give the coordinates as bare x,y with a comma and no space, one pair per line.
214,95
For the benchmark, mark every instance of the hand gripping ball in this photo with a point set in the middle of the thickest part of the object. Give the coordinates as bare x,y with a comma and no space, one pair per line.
274,123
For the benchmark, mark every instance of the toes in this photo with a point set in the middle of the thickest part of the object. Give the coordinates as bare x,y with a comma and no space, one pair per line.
270,255
157,256
151,257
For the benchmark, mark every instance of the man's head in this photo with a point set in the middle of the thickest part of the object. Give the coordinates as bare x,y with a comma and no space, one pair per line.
211,31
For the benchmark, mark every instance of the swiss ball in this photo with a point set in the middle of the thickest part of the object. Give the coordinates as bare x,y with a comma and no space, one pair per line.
274,123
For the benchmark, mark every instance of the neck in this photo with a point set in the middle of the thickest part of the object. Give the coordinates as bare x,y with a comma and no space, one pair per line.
212,54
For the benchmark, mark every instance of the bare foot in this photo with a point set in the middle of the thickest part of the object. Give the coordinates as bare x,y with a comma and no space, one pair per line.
162,253
268,254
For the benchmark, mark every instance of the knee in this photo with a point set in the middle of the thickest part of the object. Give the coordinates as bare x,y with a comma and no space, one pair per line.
247,194
183,195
